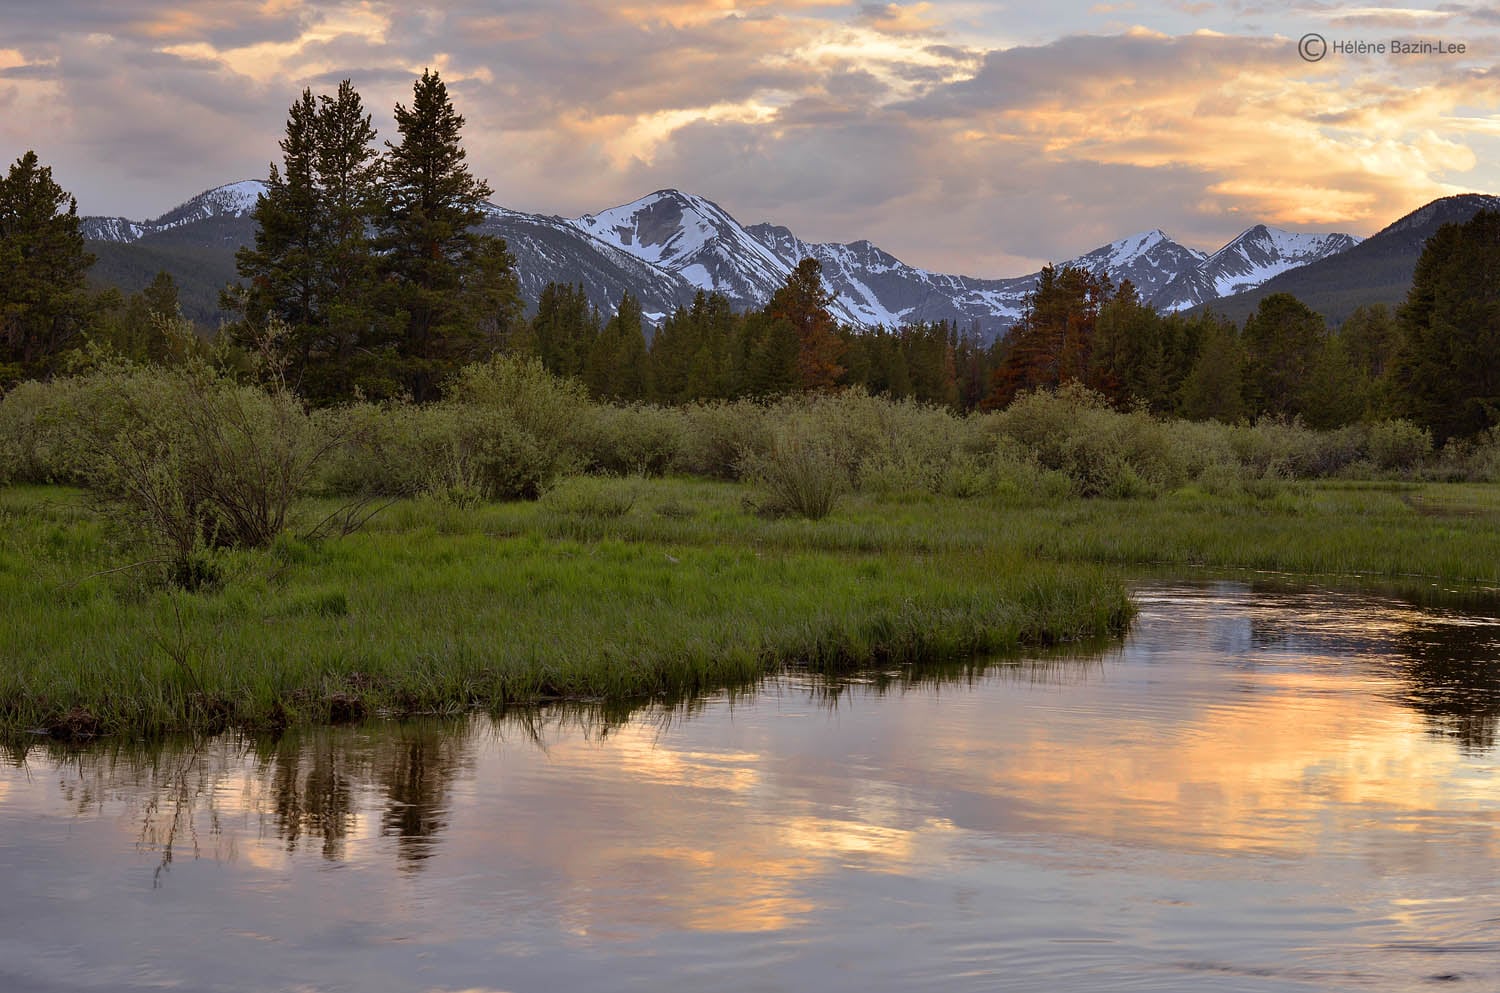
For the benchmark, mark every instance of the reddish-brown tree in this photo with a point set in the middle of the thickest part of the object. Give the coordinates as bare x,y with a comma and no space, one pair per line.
1052,343
803,303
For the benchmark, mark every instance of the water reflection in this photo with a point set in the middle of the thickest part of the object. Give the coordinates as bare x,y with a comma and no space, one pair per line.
1261,789
1446,661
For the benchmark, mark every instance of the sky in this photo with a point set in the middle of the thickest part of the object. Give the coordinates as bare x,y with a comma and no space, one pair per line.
963,136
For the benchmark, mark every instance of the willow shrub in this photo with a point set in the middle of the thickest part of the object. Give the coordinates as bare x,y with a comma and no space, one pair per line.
507,430
800,472
185,459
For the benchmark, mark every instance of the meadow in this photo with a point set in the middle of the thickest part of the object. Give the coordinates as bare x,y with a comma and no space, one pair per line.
179,552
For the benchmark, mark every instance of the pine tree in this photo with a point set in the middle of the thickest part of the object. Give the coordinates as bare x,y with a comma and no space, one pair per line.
44,307
564,328
311,267
672,350
931,362
280,267
1214,389
803,303
1052,343
1446,374
1127,361
766,353
441,275
1334,393
715,322
347,171
1282,340
616,368
147,326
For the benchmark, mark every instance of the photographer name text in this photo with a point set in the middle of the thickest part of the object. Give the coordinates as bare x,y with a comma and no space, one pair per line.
1397,46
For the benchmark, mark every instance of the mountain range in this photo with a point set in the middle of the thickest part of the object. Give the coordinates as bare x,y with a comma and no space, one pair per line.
667,246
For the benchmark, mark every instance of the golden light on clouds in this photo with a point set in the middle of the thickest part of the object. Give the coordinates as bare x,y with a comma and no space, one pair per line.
1190,117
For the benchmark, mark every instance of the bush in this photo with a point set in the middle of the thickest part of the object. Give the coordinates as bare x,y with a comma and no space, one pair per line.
635,439
508,429
1398,444
591,499
1102,451
800,471
33,444
719,436
187,460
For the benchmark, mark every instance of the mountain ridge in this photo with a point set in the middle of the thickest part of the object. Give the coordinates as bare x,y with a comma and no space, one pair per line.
669,245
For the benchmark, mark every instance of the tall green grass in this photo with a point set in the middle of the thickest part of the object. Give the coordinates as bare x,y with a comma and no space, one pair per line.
437,608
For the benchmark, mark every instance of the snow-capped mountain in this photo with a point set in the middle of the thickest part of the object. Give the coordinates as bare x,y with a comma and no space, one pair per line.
1256,255
877,288
1376,270
552,250
695,239
1149,260
667,246
234,200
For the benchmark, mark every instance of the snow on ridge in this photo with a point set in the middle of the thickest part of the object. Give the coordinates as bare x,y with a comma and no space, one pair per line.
240,197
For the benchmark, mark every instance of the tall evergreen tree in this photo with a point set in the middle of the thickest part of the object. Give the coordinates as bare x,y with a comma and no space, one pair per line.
616,368
1446,374
280,266
1127,361
715,323
311,266
765,358
1052,343
440,273
1282,340
564,328
347,171
44,306
1214,389
803,303
147,326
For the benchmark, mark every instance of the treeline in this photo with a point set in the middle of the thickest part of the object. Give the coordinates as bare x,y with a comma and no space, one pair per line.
368,280
709,351
1435,361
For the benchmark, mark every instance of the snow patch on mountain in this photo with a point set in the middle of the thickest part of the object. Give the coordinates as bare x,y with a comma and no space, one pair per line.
230,200
1256,255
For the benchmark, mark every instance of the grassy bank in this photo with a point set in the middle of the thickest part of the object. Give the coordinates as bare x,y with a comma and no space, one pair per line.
610,589
626,588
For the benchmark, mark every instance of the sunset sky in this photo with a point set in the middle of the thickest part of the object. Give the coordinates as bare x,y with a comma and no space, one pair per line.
960,135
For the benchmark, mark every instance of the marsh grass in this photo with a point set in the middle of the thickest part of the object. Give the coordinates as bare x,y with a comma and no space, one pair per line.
631,588
438,608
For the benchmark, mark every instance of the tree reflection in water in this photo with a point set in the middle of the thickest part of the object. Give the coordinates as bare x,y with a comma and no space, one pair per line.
321,788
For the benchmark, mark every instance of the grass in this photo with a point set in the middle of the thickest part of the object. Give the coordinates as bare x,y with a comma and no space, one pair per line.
436,608
634,589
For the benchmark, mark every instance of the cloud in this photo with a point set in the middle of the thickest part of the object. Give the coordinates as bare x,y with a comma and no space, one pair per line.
905,123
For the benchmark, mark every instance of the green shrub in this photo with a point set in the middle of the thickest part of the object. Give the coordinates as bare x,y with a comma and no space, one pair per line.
636,439
507,431
33,444
1398,444
186,460
719,436
590,498
800,473
1102,451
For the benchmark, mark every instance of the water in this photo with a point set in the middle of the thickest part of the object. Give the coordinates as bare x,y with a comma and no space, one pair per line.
1260,791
